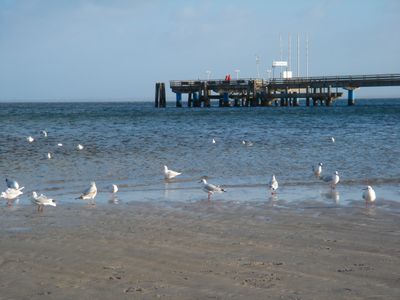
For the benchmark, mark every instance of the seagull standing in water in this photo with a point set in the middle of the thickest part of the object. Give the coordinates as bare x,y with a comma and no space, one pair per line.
89,193
332,139
333,180
79,147
247,143
369,195
11,194
113,189
30,139
169,174
42,201
44,132
273,185
317,170
210,188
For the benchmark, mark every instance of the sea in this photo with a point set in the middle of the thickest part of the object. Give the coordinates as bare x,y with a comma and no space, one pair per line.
128,144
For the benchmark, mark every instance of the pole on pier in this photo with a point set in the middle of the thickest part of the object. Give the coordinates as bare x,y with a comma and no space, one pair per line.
178,99
350,97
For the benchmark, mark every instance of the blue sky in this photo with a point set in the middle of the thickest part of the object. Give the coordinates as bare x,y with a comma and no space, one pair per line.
117,50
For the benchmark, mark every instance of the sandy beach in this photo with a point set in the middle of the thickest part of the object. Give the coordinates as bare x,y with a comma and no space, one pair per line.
199,251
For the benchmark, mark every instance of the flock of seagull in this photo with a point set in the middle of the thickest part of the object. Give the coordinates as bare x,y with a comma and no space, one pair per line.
13,190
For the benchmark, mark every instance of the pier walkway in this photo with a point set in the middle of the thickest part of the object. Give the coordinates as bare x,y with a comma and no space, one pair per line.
321,90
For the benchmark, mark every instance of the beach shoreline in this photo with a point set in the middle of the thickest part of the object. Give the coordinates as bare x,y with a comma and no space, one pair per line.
200,250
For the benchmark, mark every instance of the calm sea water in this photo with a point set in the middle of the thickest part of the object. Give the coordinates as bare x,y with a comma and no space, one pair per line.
129,143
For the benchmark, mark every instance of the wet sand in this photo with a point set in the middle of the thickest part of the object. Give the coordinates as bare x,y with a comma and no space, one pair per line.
199,250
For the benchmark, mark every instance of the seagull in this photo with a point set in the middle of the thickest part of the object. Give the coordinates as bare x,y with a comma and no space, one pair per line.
213,141
44,132
49,155
332,139
247,143
317,170
89,193
59,145
30,139
113,188
42,201
273,185
369,195
169,174
11,194
332,179
12,184
79,147
210,188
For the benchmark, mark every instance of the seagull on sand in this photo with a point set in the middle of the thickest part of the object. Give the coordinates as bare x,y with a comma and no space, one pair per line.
332,179
11,194
273,185
89,193
210,188
79,147
12,184
44,132
317,170
113,188
30,139
369,195
41,201
169,174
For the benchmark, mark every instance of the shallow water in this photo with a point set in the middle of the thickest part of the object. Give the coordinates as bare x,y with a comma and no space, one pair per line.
128,144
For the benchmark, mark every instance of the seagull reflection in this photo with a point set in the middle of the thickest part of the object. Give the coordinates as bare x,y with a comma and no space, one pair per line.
333,195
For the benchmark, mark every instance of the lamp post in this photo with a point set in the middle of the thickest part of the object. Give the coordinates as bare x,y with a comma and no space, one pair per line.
208,72
258,66
237,74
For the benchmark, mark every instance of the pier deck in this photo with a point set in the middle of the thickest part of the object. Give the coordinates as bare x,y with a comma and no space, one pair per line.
284,92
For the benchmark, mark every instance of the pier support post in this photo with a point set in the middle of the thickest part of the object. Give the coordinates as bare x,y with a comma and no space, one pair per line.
350,97
196,100
226,99
160,97
190,100
157,96
307,97
178,99
237,102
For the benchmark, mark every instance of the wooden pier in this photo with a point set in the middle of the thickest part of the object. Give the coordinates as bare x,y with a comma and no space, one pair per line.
278,92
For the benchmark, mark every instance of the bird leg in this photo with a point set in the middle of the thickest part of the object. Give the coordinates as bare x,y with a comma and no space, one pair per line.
209,196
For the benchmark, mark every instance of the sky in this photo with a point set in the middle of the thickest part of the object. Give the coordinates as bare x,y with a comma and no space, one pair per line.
116,50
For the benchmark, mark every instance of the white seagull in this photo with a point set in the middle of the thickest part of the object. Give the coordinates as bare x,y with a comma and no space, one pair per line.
332,179
332,139
369,195
273,185
42,201
79,147
59,145
89,193
169,174
49,156
11,194
113,188
247,143
213,141
30,139
44,132
317,170
211,189
12,184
